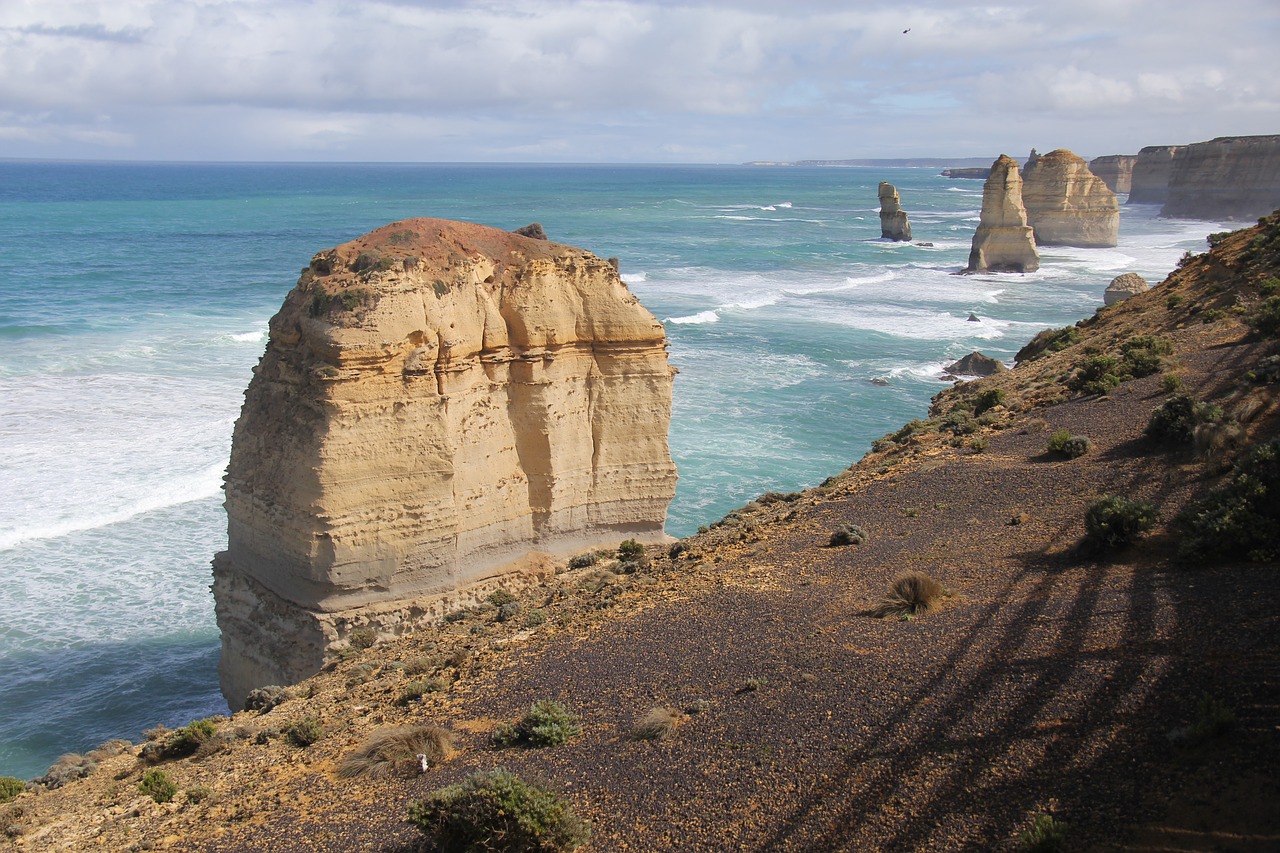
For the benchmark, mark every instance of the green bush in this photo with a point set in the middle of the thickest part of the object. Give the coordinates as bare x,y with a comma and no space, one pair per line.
1241,518
1095,374
1213,720
10,787
1174,421
497,812
1068,445
500,597
988,399
362,638
1266,371
157,786
1115,521
582,561
1046,835
847,534
1173,301
186,740
630,551
1171,382
1048,340
1266,317
304,732
960,422
1142,355
548,723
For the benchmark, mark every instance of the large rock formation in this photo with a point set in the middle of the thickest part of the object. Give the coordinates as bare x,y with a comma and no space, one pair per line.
1152,170
1115,170
1003,242
1232,177
894,224
440,405
1067,205
1124,286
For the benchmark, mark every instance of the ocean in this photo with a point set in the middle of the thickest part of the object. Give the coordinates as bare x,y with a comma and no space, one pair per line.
134,301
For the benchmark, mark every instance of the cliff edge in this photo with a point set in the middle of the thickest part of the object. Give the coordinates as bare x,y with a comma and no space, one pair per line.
1231,177
440,404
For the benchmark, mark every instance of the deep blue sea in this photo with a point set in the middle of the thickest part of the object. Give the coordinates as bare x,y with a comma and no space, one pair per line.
134,301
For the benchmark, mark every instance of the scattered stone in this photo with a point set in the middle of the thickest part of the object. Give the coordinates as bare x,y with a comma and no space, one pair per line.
973,318
533,230
976,364
1124,286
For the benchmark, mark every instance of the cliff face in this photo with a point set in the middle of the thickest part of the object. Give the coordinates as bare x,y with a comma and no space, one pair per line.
1067,205
438,404
1115,170
1152,171
1225,178
1003,242
894,224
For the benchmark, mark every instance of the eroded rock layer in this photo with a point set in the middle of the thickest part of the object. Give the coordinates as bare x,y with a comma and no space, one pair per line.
1149,183
439,405
1233,177
1067,205
894,224
1115,170
1004,242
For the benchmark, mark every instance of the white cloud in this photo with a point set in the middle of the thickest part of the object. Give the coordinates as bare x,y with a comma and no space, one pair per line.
651,79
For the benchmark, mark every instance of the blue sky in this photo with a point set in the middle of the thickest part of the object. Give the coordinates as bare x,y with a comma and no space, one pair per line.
627,81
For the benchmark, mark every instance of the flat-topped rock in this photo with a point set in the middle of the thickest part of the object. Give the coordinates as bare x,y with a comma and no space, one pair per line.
440,406
1067,205
1232,177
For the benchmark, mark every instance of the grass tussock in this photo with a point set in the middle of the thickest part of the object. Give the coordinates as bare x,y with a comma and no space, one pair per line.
909,596
396,750
657,724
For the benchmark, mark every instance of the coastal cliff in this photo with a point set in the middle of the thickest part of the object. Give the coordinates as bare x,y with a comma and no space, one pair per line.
1152,171
440,405
1231,177
1115,170
894,224
1067,205
1004,242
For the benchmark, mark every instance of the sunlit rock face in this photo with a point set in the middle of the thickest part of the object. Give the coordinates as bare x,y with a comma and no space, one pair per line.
441,407
1004,242
1232,177
1067,205
1152,171
1115,170
894,224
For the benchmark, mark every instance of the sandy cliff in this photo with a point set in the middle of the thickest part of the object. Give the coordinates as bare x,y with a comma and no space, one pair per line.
440,404
1116,171
1067,205
1234,177
1003,242
1149,183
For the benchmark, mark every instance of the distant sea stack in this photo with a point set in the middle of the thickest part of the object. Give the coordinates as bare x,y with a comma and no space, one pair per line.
1115,170
1149,182
1004,242
440,406
1232,177
894,224
1067,205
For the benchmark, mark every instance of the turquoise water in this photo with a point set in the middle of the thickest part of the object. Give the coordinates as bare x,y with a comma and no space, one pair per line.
134,301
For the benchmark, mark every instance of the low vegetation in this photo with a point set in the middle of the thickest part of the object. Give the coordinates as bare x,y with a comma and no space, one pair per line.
10,788
400,749
1175,420
847,534
909,596
657,724
1071,446
157,785
1241,518
548,723
1114,521
1046,835
497,812
304,732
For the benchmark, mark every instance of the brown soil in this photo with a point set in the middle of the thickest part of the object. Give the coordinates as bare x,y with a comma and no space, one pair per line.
1052,680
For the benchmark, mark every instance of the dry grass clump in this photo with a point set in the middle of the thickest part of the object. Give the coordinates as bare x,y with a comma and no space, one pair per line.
657,724
910,595
396,749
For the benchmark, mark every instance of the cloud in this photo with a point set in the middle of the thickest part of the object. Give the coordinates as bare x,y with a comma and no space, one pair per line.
309,76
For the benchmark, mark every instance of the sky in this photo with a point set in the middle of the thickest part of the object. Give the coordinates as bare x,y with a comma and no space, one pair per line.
630,81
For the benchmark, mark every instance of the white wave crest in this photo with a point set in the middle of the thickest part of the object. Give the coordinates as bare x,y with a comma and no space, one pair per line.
702,317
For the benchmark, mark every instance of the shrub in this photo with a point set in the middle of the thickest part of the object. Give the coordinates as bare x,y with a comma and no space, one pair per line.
1071,446
304,732
157,786
417,689
1213,720
534,618
397,749
630,551
189,738
1046,835
1049,340
1240,518
960,422
1266,317
497,811
10,788
1171,382
582,561
657,724
509,611
1174,421
263,699
1142,355
67,768
909,595
1115,521
847,534
500,597
1095,374
978,444
909,429
548,723
1173,301
1266,371
362,638
988,399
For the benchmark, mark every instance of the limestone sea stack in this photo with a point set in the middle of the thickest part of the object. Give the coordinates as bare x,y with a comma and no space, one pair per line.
1232,177
1115,170
1124,286
440,405
1149,183
894,224
1067,205
1003,242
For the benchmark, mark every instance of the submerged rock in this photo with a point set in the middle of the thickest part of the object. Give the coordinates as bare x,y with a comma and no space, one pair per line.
440,405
